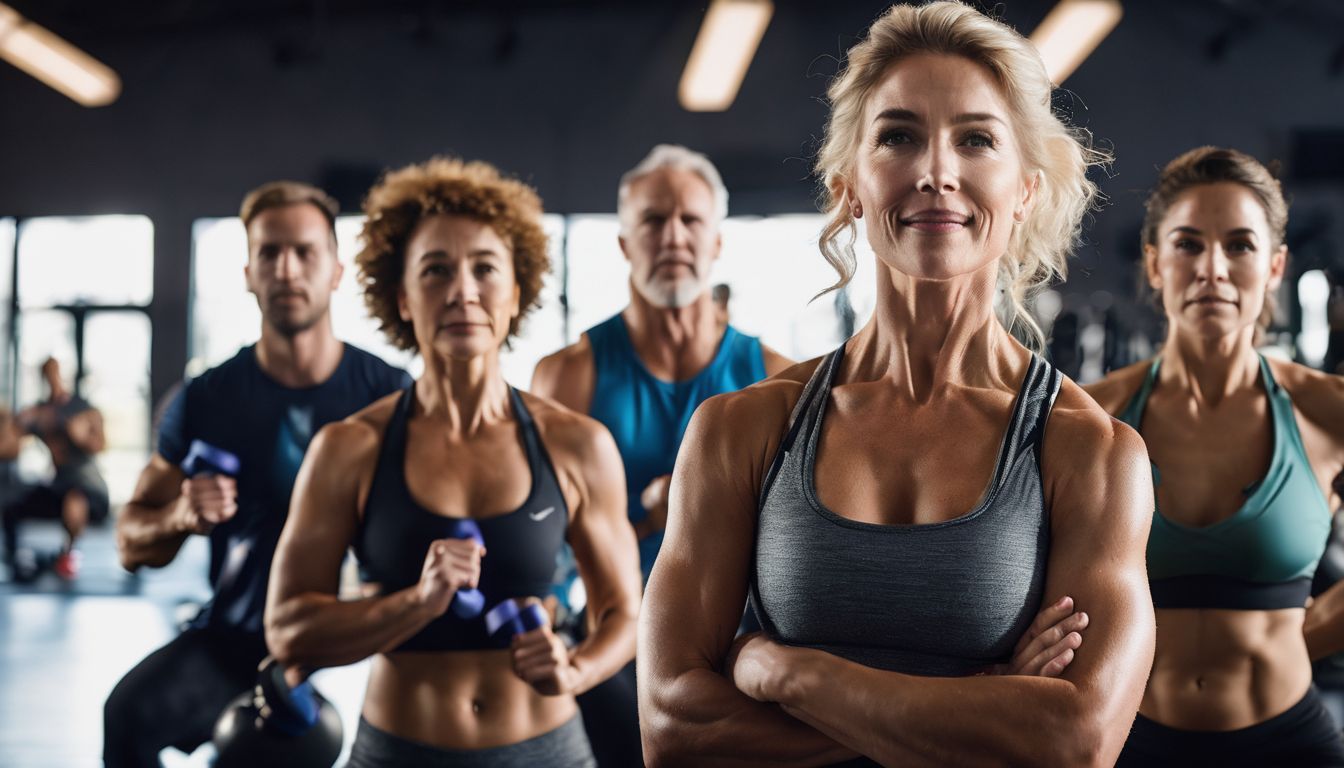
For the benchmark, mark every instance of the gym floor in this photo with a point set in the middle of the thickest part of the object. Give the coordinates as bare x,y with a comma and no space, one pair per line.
64,646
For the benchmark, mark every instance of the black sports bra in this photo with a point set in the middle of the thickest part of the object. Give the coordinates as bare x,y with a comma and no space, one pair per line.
521,545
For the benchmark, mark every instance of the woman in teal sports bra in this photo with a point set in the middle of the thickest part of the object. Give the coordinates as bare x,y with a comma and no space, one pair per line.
1243,449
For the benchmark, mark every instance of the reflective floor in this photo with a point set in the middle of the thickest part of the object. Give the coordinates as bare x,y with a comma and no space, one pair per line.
64,646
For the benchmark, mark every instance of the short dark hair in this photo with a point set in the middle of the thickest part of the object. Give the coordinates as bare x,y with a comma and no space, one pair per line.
721,293
279,194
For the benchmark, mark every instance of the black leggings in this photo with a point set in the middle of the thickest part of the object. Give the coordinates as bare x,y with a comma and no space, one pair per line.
1304,736
44,502
174,696
611,717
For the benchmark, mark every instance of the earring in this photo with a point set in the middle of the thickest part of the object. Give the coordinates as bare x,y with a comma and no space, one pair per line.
856,210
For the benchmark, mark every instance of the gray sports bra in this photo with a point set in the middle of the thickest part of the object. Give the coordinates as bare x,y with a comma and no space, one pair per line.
942,599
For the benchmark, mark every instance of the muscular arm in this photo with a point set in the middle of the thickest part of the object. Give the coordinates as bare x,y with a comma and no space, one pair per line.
608,559
85,430
10,436
690,713
1319,401
306,625
152,526
567,376
774,362
1324,625
1101,507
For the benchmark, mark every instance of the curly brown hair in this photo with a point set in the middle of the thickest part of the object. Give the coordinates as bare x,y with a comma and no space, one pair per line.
446,185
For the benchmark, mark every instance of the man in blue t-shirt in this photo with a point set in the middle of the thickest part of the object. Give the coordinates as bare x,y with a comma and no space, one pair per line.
263,406
644,371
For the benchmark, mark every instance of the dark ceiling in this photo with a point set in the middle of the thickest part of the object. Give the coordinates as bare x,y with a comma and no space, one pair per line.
221,96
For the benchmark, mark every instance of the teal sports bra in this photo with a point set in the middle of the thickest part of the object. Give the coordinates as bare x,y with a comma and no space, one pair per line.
1263,556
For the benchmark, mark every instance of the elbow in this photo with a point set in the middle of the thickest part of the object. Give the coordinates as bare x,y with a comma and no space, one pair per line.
663,745
285,638
128,563
130,559
282,640
667,740
1088,738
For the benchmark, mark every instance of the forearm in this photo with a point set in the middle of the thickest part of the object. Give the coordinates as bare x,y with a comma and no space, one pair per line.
149,535
89,443
9,439
1323,628
699,718
608,648
317,630
906,720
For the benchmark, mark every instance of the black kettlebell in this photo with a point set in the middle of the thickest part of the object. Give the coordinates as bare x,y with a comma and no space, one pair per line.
276,725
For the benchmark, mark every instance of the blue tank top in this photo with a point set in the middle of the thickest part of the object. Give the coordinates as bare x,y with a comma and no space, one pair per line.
648,416
1263,556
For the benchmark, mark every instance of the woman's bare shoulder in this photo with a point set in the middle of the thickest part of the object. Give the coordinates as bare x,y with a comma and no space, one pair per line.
1089,457
567,433
1081,433
1317,395
769,400
1114,391
357,436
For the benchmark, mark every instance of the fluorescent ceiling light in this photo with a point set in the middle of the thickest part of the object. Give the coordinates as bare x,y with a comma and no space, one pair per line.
44,55
1071,31
722,52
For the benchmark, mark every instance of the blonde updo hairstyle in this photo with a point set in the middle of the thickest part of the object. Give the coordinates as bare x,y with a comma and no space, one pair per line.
1058,154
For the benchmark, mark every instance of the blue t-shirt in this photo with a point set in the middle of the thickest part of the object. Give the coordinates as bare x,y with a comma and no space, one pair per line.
237,407
648,416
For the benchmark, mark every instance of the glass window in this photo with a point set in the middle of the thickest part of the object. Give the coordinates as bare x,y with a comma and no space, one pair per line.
7,234
116,382
90,259
862,290
1313,295
597,274
64,265
224,316
349,318
42,334
775,270
543,331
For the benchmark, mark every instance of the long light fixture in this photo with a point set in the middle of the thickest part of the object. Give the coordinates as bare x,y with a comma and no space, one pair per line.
1071,31
49,58
722,52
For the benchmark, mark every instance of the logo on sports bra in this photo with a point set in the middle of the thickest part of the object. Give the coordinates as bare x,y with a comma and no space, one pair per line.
542,515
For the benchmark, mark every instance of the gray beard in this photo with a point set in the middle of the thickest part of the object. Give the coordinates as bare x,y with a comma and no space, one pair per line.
674,294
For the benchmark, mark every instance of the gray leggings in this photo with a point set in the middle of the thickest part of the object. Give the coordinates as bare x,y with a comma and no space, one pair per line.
564,747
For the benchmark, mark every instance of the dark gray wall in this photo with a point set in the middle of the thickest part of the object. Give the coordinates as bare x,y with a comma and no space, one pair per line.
221,97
